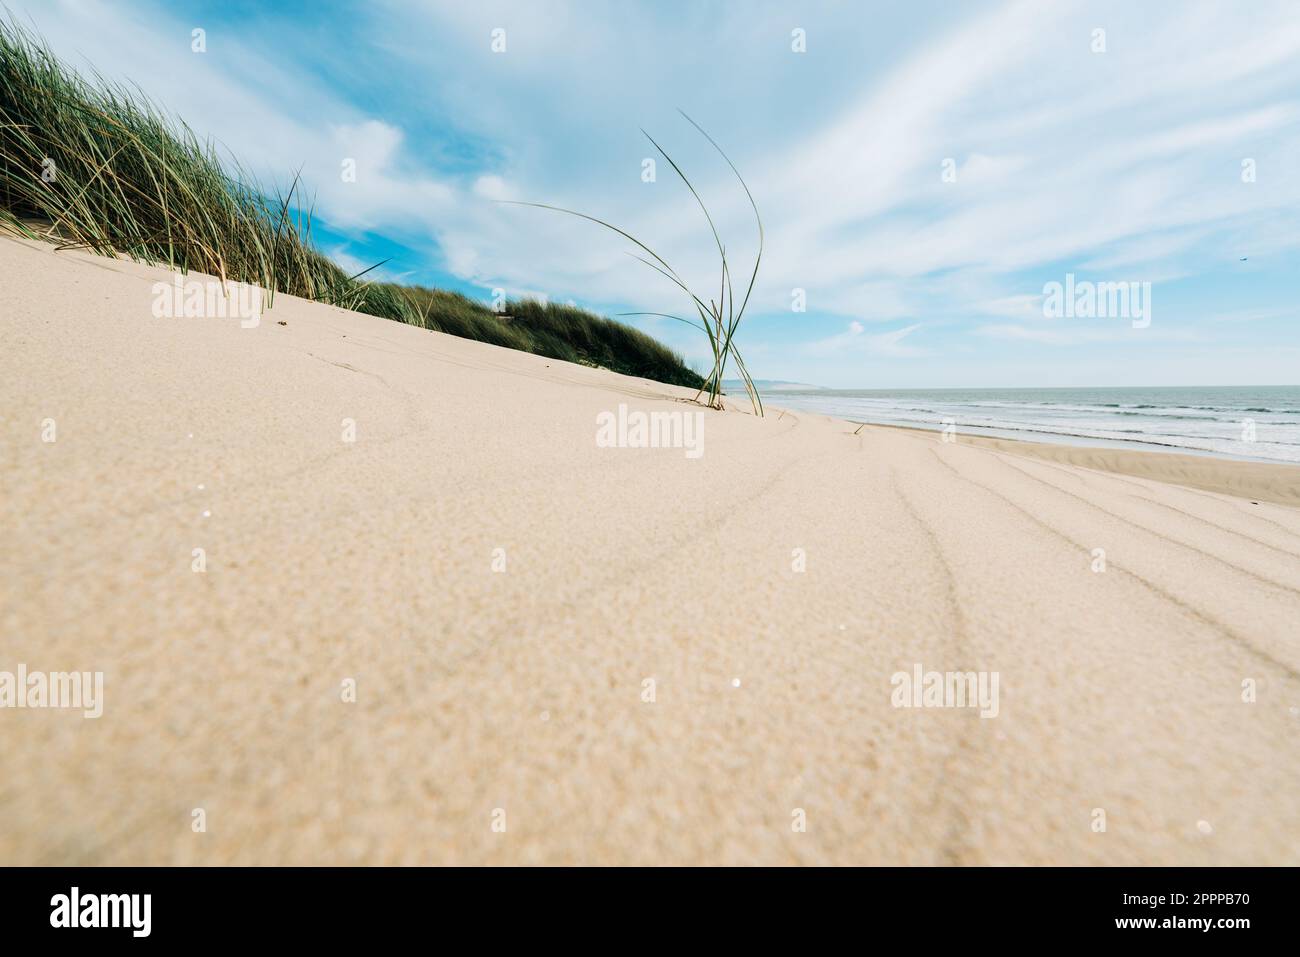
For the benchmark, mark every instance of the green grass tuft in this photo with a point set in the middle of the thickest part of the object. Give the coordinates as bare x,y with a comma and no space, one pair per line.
720,318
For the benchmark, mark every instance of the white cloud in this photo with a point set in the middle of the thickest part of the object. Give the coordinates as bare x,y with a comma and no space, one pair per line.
491,187
1024,306
1119,332
382,191
856,340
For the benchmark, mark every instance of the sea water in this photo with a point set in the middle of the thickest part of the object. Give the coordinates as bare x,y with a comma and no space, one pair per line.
1250,422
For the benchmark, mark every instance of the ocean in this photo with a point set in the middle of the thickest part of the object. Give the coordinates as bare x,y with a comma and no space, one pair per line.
1248,422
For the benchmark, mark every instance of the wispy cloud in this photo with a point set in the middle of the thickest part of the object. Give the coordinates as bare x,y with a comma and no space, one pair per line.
856,340
1117,332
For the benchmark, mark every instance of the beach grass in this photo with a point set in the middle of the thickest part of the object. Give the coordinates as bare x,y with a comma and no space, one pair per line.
90,164
719,318
553,330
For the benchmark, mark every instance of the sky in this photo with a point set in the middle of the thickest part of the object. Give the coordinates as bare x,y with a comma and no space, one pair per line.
924,170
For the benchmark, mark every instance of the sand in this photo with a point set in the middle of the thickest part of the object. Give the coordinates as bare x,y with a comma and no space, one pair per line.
1257,481
504,716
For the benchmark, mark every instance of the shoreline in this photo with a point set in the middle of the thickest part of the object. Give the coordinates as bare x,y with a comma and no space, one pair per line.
1097,435
1251,479
1091,442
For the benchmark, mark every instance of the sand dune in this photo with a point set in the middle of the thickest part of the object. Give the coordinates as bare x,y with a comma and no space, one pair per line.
524,691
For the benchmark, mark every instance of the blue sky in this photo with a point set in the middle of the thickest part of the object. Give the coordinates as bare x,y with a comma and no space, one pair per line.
1122,165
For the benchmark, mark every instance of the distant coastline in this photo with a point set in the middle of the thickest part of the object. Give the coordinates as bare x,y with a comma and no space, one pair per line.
770,386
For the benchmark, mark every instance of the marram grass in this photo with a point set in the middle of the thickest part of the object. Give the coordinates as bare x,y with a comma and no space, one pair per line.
88,164
718,318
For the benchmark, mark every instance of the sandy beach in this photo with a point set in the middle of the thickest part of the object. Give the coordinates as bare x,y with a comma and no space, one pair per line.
500,589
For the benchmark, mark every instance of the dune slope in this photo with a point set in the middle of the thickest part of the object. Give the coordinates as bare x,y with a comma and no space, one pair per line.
517,694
